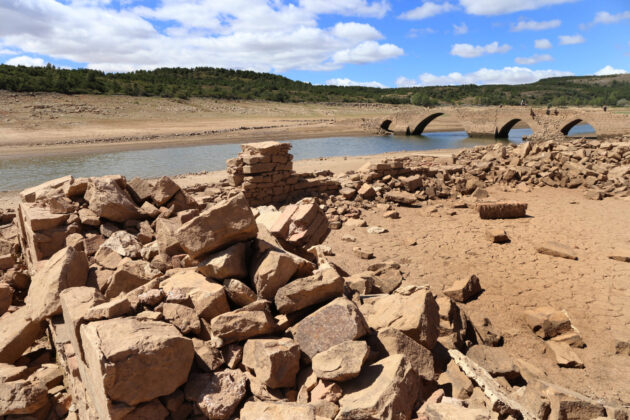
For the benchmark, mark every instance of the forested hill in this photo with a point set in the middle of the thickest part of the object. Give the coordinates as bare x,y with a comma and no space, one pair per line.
236,84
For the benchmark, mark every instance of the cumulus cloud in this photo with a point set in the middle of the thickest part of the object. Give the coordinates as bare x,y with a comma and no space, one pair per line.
403,81
258,35
532,25
427,10
472,51
348,82
606,18
609,70
484,76
571,39
500,7
542,44
536,58
25,60
460,29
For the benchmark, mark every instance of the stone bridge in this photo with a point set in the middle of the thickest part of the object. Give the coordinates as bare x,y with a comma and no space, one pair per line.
498,121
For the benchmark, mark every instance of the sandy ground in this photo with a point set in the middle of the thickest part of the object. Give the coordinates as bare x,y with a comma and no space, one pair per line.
594,290
35,124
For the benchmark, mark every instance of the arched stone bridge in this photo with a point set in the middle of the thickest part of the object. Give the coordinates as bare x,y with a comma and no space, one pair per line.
498,121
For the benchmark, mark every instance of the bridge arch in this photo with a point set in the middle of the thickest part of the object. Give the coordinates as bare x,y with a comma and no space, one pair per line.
385,125
423,124
566,129
504,131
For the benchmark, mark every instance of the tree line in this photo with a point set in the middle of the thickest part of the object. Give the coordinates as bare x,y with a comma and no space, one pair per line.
208,82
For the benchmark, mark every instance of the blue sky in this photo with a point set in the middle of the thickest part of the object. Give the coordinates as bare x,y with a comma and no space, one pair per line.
379,43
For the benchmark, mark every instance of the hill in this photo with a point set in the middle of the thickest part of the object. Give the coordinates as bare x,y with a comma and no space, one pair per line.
238,84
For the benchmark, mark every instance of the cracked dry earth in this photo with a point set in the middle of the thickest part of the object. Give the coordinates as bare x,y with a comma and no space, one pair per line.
594,290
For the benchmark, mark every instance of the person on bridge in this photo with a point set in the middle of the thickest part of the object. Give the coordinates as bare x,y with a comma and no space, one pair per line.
605,108
531,112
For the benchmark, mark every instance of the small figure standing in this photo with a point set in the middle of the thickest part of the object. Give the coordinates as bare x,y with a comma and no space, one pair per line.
605,108
531,112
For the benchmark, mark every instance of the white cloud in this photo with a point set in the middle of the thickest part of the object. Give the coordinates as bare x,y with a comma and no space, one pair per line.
536,58
532,25
25,60
367,52
472,51
499,7
460,29
571,39
542,44
605,17
262,35
414,32
484,76
427,10
348,82
609,70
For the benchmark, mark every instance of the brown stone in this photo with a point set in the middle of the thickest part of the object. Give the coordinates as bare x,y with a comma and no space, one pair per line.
564,355
17,332
207,357
222,225
217,395
547,322
387,389
497,236
165,230
238,292
556,249
464,290
332,324
129,275
274,362
109,201
446,411
89,218
6,297
208,298
506,210
268,410
401,197
392,341
249,321
495,360
163,190
341,362
229,263
183,317
325,284
22,397
273,272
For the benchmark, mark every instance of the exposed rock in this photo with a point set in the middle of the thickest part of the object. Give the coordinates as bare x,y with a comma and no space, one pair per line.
361,283
301,225
387,279
416,315
464,290
564,355
6,297
332,324
364,254
22,397
456,382
367,191
547,322
274,362
229,263
556,249
392,341
401,197
114,308
341,362
249,321
183,317
88,217
163,190
18,330
217,395
208,298
495,360
120,350
239,292
497,236
267,410
325,284
124,244
129,275
445,411
221,225
502,210
207,357
109,201
66,268
273,272
326,391
165,233
387,389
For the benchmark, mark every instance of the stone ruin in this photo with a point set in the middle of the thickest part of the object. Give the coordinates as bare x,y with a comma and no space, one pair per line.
140,300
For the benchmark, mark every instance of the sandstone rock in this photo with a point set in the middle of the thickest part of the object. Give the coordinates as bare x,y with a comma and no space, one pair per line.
38,192
208,298
356,223
107,258
392,341
249,321
445,411
324,409
301,225
274,362
140,189
129,275
361,283
485,332
163,190
508,210
273,272
332,324
165,233
152,410
66,268
6,297
387,389
620,255
341,362
416,315
326,391
233,355
18,330
556,249
497,236
114,308
348,193
207,357
117,352
266,410
217,395
89,218
411,183
109,201
124,244
22,397
464,290
391,214
387,279
325,284
568,404
377,230
229,263
183,317
495,360
564,355
364,254
10,373
401,197
239,292
221,225
547,322
367,191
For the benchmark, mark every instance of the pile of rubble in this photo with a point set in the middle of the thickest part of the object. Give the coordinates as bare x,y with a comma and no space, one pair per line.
134,300
264,172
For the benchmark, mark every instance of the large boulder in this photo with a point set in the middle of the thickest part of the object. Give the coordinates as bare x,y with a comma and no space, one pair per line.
229,263
217,395
415,314
387,389
325,284
18,330
22,397
109,201
131,361
66,268
301,225
341,362
392,341
225,223
208,298
274,271
332,324
249,321
129,275
274,362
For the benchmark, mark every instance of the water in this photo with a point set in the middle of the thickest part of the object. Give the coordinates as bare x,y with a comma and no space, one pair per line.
20,173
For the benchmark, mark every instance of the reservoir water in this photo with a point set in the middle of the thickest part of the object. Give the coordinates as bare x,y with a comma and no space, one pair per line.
23,172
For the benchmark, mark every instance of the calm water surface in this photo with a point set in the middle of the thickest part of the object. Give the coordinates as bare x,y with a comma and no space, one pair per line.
20,173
